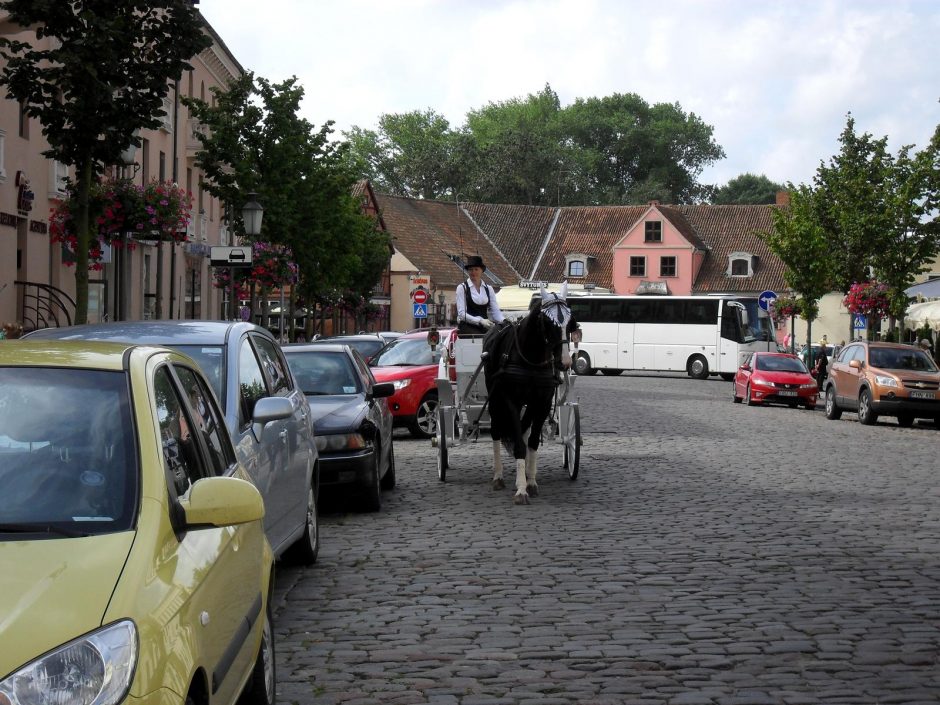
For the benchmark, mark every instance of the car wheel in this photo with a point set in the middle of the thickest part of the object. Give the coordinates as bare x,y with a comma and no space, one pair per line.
425,421
372,492
866,414
388,479
582,365
697,367
262,687
833,412
905,420
748,399
306,549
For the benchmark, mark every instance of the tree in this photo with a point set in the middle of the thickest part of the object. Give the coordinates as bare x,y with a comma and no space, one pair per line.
256,141
879,212
412,154
747,189
802,245
105,76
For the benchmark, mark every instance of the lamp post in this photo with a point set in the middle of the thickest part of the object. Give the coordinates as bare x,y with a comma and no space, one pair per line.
252,213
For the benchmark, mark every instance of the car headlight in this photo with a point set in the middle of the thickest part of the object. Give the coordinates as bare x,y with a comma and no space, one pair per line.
95,669
401,383
810,385
337,442
885,381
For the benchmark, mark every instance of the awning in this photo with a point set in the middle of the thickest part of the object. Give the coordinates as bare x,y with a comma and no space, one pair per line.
928,289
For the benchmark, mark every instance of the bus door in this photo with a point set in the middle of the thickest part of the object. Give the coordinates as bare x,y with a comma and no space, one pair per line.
730,335
625,347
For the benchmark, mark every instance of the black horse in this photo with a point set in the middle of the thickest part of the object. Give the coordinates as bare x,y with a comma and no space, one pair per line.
522,365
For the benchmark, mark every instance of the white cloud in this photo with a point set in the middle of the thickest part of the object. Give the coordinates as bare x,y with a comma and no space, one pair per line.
774,79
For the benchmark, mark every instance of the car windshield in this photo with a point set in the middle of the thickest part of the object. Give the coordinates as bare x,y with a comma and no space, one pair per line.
211,359
323,373
366,348
68,459
900,359
772,363
405,351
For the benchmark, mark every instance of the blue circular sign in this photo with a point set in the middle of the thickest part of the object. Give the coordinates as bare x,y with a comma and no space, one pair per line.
765,298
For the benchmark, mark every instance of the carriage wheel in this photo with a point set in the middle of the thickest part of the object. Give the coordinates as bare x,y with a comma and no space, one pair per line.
573,443
441,446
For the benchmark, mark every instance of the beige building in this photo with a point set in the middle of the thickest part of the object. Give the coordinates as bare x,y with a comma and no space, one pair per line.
165,280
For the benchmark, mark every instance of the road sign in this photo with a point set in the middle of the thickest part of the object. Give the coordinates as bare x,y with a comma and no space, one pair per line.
859,322
420,310
766,298
419,296
230,256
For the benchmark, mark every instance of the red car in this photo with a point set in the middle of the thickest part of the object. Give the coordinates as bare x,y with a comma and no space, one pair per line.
778,378
411,365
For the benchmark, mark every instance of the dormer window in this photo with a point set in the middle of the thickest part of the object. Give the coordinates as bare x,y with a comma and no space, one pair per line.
577,264
653,231
741,264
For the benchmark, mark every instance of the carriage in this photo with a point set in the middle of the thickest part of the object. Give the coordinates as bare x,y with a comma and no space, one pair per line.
463,413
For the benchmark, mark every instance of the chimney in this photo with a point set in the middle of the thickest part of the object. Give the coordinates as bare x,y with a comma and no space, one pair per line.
783,198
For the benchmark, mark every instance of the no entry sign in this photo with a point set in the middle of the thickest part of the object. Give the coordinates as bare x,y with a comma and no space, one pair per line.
419,296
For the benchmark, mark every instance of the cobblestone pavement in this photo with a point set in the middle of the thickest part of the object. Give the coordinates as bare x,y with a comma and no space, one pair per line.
708,553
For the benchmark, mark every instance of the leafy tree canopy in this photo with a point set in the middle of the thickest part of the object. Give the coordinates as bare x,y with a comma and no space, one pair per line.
747,189
532,150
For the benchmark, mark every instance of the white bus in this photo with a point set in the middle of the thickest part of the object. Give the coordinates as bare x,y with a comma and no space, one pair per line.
700,335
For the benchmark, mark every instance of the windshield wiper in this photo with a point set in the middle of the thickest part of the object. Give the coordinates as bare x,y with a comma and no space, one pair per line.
57,529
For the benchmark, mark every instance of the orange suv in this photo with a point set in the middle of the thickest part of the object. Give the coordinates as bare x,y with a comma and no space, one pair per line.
886,379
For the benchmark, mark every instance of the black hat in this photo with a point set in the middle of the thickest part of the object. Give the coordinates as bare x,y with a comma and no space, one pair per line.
475,261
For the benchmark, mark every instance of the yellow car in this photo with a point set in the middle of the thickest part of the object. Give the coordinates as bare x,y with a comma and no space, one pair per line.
133,563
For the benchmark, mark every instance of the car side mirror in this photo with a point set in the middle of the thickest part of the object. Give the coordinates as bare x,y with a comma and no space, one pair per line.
270,409
385,389
745,367
221,501
855,364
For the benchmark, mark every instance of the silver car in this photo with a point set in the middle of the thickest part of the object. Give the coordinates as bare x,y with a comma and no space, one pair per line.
267,414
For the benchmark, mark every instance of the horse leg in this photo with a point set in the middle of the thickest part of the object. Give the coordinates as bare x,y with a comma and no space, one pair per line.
521,496
531,470
498,483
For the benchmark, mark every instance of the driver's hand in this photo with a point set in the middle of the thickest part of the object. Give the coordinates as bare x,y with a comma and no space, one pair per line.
486,323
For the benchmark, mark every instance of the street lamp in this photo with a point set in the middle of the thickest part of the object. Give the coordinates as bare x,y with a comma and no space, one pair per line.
252,213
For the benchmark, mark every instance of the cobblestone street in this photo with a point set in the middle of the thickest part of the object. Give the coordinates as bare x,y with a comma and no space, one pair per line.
708,553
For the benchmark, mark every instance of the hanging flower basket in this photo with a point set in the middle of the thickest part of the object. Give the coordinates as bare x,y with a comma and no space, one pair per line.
120,212
870,298
785,307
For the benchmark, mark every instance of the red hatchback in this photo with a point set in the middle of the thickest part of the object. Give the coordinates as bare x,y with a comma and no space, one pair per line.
778,378
409,363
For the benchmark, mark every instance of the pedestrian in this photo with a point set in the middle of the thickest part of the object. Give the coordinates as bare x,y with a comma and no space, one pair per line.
924,345
477,308
822,363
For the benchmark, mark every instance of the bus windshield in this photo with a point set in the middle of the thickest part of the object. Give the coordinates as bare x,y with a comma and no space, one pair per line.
759,324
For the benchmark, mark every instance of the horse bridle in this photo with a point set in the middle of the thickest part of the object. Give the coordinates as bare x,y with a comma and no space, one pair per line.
561,307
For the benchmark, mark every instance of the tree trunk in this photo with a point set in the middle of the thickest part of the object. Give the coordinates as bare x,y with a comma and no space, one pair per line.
83,240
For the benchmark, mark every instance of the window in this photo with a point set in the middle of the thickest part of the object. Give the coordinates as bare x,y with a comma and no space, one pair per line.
576,268
144,161
274,365
740,268
3,138
654,231
667,266
251,384
638,266
58,178
741,264
207,419
162,167
180,449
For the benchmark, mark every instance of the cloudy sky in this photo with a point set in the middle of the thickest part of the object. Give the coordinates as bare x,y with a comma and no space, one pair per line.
774,79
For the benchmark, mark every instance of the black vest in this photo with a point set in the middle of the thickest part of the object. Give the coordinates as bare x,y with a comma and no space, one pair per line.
473,308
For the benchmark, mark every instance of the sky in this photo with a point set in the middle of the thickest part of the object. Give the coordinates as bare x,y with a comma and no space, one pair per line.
775,79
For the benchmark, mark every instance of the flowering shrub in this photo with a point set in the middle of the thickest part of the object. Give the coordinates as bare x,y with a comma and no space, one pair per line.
786,306
870,298
158,211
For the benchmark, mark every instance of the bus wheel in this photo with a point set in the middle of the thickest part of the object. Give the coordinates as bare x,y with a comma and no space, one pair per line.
582,365
697,367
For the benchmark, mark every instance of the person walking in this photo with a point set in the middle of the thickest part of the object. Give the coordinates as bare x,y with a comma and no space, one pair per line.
477,308
822,364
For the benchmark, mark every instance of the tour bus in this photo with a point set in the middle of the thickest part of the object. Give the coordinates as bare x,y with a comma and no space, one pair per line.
700,335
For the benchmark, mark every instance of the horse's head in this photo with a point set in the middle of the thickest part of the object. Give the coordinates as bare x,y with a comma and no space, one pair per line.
557,322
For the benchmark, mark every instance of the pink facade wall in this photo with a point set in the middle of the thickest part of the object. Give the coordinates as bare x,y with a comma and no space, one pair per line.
633,244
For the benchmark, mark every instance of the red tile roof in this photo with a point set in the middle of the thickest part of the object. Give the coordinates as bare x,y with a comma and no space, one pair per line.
518,231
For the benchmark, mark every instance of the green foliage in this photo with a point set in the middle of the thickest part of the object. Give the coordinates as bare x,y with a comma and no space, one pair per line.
256,141
747,189
105,76
531,150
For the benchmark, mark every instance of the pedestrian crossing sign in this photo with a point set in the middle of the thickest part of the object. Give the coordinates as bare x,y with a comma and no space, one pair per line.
859,321
420,310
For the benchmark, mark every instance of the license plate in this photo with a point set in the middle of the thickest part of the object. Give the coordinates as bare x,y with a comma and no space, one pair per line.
787,393
923,395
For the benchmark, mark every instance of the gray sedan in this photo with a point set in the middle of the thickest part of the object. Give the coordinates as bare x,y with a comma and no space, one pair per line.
267,414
